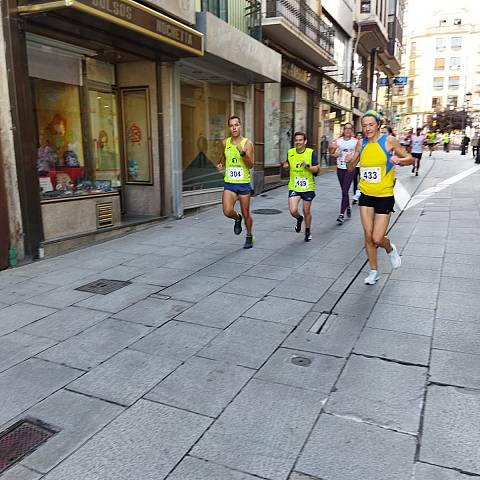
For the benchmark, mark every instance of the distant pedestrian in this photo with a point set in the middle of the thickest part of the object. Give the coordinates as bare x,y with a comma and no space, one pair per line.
237,160
303,165
342,147
475,142
324,151
464,145
418,141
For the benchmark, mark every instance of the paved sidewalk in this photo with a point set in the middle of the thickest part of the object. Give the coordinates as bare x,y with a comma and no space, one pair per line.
205,366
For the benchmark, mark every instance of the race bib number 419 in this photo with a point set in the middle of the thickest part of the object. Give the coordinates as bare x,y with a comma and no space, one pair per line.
371,175
301,183
235,173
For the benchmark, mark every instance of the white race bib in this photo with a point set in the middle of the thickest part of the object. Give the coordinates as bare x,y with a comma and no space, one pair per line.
301,183
235,173
371,174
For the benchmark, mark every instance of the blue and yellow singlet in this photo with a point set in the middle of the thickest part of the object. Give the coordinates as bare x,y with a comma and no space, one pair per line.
377,175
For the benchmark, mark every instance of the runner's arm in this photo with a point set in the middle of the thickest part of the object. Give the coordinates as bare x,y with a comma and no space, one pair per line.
314,168
399,155
247,154
222,160
353,159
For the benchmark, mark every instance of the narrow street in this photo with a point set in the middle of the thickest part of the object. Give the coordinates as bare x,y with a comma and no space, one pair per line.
277,363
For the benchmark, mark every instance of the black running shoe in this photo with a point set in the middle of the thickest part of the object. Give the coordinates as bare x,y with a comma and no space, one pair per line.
308,236
298,226
340,219
249,239
237,228
349,212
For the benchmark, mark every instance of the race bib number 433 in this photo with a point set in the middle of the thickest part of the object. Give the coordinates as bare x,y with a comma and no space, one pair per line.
371,175
235,173
301,183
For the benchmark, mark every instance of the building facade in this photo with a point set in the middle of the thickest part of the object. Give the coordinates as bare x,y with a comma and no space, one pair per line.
444,66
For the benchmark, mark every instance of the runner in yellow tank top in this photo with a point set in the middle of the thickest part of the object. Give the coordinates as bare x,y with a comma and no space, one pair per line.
378,154
237,159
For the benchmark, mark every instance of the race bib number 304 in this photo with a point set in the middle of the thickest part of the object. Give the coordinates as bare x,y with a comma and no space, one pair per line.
235,173
371,175
301,183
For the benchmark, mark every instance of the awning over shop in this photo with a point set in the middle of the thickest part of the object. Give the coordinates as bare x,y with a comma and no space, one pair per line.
184,41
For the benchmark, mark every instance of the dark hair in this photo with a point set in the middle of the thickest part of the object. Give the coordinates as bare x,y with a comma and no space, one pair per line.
347,123
303,134
234,117
389,129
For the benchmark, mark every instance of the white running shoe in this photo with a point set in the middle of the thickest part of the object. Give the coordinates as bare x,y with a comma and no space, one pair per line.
394,257
372,278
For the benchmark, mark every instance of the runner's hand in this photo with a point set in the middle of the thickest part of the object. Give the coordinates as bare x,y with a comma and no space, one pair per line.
349,157
304,165
219,167
395,160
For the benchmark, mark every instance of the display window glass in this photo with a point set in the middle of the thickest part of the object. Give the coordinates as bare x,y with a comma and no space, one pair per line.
104,137
205,110
60,155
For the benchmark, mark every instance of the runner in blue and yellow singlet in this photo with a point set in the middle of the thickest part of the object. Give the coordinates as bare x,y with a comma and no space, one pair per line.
237,160
303,165
378,154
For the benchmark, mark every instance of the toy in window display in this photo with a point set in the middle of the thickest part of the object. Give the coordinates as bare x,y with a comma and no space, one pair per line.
70,158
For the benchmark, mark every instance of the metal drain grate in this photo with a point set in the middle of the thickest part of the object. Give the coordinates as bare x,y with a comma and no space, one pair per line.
267,211
20,440
301,361
103,286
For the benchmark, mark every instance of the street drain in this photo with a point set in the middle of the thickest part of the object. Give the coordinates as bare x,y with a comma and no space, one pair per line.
301,361
267,211
103,286
21,439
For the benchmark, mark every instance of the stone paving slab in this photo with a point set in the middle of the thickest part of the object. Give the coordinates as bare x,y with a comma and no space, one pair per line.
24,385
310,290
319,376
120,299
21,314
16,347
96,344
59,297
262,431
384,393
247,342
219,310
224,269
146,442
413,294
250,286
194,288
76,417
457,336
125,378
153,312
430,472
337,338
450,428
354,304
460,285
455,368
201,386
18,472
279,310
65,323
273,272
416,275
164,276
177,340
458,306
399,346
342,449
191,468
402,318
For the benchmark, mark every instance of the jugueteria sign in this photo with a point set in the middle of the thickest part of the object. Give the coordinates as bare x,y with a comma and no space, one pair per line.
131,15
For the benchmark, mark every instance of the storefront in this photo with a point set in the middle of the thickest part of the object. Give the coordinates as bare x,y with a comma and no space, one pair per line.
289,108
335,110
95,72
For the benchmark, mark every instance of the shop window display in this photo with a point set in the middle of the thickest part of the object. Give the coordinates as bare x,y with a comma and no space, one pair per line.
205,109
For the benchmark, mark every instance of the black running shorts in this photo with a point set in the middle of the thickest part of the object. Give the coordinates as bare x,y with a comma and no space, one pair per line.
382,205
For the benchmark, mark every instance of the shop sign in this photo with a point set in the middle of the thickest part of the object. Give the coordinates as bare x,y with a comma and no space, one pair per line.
131,15
300,75
334,93
400,81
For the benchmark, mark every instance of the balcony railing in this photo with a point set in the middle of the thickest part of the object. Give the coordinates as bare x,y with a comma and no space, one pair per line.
300,15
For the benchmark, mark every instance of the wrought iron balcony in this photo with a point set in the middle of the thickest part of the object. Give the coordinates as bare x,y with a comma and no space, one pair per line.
306,20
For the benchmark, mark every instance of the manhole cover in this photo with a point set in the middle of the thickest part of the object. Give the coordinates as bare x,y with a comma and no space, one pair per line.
301,361
103,286
19,440
267,211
